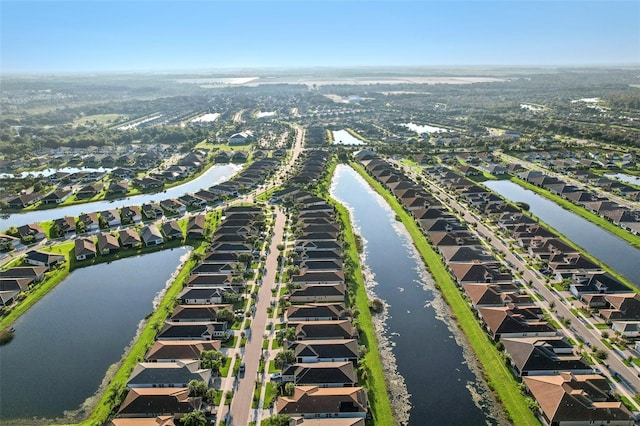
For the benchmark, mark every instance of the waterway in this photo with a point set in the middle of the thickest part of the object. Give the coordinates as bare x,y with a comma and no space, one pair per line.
65,343
342,137
635,180
48,172
433,376
215,174
613,251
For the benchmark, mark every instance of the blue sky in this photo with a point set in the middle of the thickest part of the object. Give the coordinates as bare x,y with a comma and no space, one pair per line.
72,36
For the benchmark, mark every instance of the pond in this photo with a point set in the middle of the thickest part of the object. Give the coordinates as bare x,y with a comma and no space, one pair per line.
215,174
342,137
65,343
429,365
419,129
613,251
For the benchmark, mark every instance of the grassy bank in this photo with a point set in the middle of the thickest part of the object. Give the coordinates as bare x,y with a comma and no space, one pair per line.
356,135
116,390
374,382
379,404
496,373
581,211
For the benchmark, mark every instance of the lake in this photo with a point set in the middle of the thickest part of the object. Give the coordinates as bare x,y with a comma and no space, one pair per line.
48,172
215,174
606,247
65,343
342,137
419,129
430,368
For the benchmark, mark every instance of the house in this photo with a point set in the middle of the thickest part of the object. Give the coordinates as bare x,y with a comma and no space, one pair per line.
630,329
567,399
90,190
172,230
315,293
323,330
131,214
152,211
15,284
306,278
595,283
335,374
193,331
65,227
195,226
324,350
173,207
111,218
119,188
152,402
193,201
316,402
536,356
129,238
43,258
198,313
85,249
151,236
478,273
508,321
204,295
176,374
108,244
56,197
32,230
24,200
90,222
174,350
34,273
317,312
241,138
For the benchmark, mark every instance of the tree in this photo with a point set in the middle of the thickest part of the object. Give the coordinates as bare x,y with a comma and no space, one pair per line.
276,420
288,333
211,360
225,315
198,388
289,388
194,418
284,358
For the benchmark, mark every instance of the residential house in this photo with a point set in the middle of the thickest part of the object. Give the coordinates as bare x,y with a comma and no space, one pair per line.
152,402
111,218
43,258
193,331
172,230
195,226
131,214
536,356
568,399
151,236
108,243
32,230
90,222
335,374
129,238
316,402
324,350
176,374
174,350
85,248
57,196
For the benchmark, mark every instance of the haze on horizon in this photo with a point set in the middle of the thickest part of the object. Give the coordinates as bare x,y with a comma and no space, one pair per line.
111,36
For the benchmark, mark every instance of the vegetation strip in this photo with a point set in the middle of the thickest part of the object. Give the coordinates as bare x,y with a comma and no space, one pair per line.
497,374
633,240
375,382
116,390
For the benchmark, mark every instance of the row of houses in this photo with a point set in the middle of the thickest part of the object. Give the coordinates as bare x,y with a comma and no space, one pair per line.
15,280
325,345
626,218
158,386
250,177
562,383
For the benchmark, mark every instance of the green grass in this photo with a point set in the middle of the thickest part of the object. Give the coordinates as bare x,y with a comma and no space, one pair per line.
375,383
271,392
600,326
498,375
224,369
633,240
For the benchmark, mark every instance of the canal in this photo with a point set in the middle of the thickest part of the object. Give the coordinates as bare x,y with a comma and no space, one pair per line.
65,343
436,379
613,251
214,175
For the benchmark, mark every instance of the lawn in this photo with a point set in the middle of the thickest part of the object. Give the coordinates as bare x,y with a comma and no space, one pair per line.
498,376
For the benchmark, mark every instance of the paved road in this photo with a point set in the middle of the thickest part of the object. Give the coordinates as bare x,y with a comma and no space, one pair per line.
630,383
241,411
